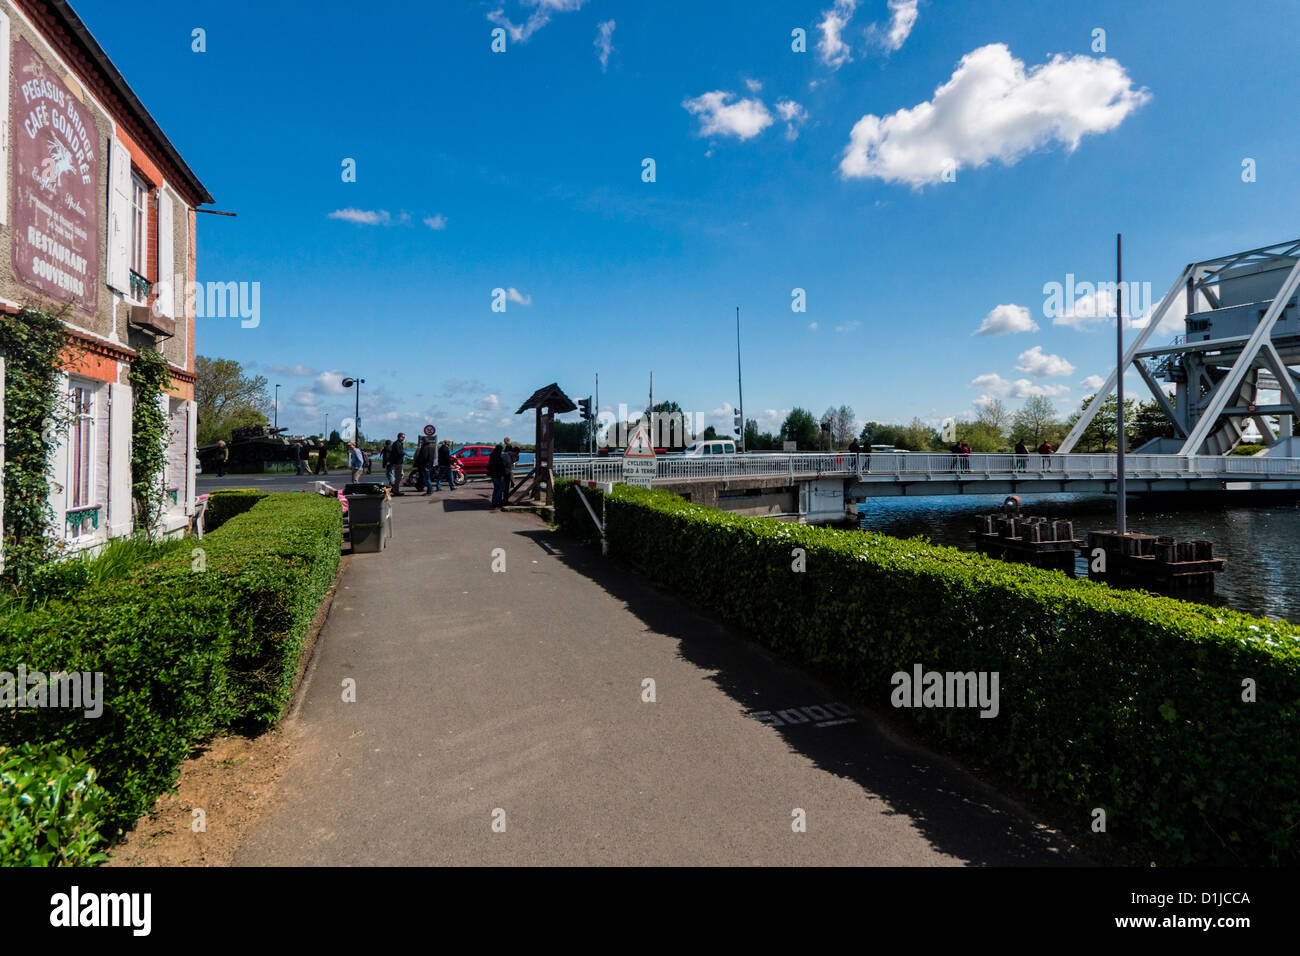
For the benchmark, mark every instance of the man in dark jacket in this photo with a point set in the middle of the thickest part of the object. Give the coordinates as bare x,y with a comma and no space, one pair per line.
495,472
426,461
509,455
444,467
396,458
1022,455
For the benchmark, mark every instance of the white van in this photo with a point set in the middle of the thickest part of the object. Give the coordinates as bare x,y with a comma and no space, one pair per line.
714,446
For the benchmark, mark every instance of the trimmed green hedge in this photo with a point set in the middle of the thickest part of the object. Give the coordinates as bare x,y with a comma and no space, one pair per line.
204,640
224,505
1109,699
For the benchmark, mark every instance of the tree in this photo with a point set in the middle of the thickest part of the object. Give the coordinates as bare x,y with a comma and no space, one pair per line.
800,427
995,415
226,399
222,388
982,436
756,440
1099,436
845,425
709,433
1035,421
1149,422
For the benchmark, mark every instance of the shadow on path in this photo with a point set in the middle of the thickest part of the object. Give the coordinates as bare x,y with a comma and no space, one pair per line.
957,813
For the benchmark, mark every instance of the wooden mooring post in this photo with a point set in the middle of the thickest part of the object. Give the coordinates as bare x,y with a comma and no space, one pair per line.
1157,562
1026,539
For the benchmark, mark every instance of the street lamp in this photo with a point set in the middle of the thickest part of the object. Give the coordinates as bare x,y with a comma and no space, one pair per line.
276,413
356,418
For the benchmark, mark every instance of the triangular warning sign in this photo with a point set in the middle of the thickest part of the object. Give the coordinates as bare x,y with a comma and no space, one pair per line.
638,446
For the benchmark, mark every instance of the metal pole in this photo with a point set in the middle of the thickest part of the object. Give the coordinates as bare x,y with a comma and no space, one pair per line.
1121,510
740,382
276,413
595,418
356,417
651,413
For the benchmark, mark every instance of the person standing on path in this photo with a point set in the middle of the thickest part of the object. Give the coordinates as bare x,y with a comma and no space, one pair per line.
444,466
297,457
223,456
396,458
355,461
424,462
509,455
322,466
495,471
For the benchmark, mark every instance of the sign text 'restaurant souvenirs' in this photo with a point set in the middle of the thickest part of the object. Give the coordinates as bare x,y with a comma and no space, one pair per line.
56,185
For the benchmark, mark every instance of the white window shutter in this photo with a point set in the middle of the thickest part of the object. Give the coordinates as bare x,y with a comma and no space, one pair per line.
119,218
4,118
119,479
166,259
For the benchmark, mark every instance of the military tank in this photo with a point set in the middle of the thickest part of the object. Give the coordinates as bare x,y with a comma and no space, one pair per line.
252,449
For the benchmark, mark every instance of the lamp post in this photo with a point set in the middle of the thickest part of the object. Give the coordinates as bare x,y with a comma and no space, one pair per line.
1121,505
356,416
740,383
276,413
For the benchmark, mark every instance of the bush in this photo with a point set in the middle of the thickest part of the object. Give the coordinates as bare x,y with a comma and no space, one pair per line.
1113,699
203,640
224,505
50,808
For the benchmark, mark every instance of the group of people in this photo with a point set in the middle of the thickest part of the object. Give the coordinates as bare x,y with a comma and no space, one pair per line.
1022,454
501,468
302,457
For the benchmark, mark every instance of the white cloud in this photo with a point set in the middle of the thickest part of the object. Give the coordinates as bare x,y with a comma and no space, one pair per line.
302,370
848,326
1006,320
541,15
1035,363
365,217
514,295
743,119
754,86
992,108
813,326
794,116
1089,309
304,397
834,51
1092,383
902,19
436,222
995,386
604,43
331,383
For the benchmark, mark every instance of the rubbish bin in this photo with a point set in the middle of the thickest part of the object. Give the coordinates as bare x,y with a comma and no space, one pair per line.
370,516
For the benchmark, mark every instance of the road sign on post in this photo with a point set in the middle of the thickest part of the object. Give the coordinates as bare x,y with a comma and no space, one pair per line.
430,431
639,466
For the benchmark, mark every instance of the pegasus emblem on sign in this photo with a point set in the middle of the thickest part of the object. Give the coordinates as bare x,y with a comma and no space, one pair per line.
55,165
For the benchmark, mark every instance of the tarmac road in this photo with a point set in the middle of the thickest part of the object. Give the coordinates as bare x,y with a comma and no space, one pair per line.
515,698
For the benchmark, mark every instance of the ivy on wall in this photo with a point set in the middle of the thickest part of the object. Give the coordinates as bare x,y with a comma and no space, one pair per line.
149,377
35,417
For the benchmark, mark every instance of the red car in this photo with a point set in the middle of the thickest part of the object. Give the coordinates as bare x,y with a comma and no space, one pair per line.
473,459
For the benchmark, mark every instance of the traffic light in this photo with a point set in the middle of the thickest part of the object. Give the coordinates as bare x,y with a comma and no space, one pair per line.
584,406
736,424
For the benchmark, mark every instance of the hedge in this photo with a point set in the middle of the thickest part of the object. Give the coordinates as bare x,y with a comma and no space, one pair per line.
1119,700
206,639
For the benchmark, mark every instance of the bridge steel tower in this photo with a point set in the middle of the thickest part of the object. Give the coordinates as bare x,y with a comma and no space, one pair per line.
1231,365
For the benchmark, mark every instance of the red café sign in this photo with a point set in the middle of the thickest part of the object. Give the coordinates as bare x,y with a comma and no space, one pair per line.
55,185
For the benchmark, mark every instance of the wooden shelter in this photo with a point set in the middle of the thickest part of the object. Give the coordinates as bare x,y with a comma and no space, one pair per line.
548,402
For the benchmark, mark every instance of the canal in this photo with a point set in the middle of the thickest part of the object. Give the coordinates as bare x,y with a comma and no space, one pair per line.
1258,536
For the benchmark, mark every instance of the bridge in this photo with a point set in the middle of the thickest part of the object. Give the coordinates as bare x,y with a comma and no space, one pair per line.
819,488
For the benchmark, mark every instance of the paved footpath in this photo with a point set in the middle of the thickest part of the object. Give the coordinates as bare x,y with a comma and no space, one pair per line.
521,692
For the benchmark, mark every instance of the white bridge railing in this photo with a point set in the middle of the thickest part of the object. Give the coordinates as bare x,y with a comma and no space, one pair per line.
938,466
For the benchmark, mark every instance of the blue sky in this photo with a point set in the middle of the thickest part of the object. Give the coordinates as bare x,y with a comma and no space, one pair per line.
529,163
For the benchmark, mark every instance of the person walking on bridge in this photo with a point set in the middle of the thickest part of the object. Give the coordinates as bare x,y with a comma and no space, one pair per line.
1022,455
1045,449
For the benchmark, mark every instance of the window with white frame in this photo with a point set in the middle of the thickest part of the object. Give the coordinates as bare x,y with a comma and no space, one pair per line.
81,458
139,227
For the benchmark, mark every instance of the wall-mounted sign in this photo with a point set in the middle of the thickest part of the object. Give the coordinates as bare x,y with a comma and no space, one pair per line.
55,185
